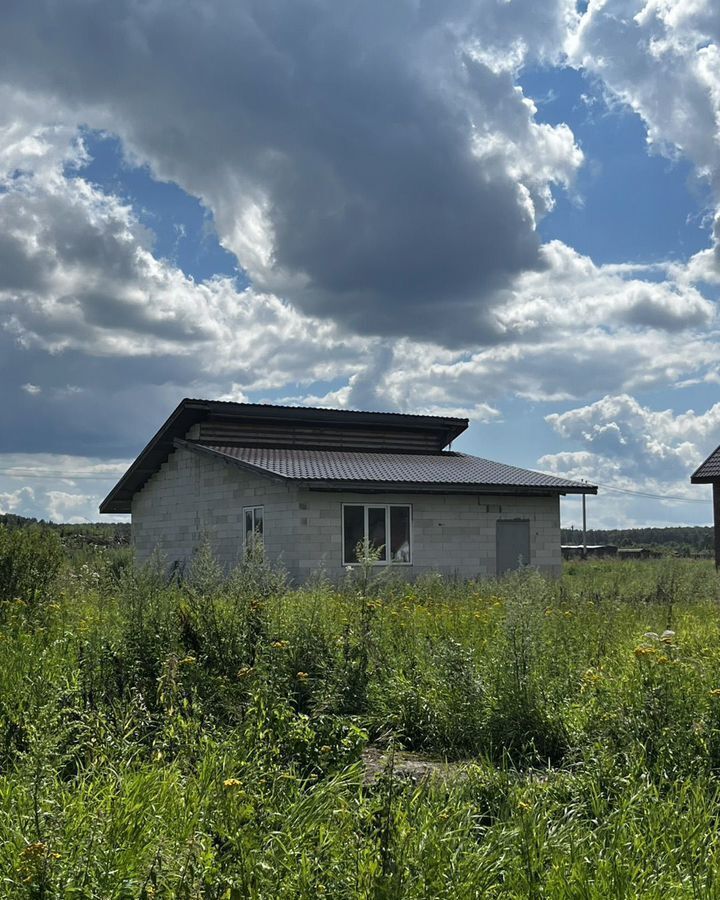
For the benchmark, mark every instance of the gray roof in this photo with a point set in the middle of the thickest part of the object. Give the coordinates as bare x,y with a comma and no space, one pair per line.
190,412
709,470
445,470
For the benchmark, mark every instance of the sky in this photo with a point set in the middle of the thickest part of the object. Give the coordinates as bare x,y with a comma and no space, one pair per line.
499,209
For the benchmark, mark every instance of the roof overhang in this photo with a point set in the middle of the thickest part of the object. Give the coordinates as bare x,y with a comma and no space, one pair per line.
190,412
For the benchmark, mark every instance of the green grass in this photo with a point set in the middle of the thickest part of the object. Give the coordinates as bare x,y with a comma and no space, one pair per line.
206,739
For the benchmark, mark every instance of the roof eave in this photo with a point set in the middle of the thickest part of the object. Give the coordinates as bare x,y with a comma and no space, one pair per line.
440,487
704,479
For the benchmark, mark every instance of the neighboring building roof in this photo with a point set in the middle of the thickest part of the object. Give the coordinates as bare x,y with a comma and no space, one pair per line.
709,470
266,423
394,471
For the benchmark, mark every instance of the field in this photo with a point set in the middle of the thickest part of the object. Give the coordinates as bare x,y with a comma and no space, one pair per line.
230,738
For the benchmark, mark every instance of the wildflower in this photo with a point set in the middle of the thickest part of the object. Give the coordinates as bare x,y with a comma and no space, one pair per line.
478,615
188,661
245,671
525,807
280,645
640,652
326,748
667,636
302,676
662,660
34,850
231,783
715,692
568,613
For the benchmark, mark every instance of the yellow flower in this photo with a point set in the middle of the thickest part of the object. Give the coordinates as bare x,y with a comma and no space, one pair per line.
245,672
525,807
644,651
302,676
280,645
33,851
568,613
326,748
478,615
231,783
715,692
188,661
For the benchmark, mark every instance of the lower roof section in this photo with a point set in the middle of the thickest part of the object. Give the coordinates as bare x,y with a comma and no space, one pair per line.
436,472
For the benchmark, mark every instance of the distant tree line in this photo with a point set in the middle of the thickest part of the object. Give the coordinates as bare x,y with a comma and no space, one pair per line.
105,534
679,540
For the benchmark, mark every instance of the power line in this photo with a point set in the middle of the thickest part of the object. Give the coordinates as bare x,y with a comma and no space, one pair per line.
618,490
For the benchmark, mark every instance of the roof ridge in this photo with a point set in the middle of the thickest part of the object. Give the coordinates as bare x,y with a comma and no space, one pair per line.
300,406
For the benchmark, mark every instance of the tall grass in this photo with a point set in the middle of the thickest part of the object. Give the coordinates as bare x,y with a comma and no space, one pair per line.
204,737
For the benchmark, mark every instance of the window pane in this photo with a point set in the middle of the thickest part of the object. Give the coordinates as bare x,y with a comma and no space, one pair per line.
400,533
258,529
353,531
248,525
376,530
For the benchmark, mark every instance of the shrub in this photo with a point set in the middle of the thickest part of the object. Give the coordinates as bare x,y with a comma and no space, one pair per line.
30,561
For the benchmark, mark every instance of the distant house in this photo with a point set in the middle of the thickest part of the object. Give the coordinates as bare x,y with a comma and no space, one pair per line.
580,551
315,482
709,473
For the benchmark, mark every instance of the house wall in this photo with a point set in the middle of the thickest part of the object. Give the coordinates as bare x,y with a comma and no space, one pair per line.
452,533
193,497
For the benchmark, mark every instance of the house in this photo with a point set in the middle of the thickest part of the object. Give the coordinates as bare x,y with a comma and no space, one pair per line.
708,472
315,482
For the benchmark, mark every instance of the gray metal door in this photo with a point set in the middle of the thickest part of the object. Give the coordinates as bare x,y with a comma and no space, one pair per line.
512,544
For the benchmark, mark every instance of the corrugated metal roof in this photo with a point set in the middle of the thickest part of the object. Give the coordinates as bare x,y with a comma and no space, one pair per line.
446,468
330,410
709,470
190,412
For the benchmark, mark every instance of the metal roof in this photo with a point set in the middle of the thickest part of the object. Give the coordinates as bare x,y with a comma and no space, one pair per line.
413,472
192,411
709,470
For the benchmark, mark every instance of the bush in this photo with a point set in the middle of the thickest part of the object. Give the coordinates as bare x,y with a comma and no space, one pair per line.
30,561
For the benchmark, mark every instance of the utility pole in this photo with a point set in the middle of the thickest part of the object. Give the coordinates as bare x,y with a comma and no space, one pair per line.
584,553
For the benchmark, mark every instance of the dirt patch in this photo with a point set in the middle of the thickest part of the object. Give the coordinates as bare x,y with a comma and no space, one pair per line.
407,766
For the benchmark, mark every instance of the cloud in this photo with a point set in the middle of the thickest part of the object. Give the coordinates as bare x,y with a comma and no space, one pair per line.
58,487
367,162
662,59
628,447
12,501
634,443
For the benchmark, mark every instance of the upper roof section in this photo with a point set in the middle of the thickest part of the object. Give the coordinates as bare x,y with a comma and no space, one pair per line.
445,471
214,422
708,471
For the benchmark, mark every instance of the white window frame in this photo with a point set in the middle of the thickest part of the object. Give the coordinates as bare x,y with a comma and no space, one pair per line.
387,507
251,509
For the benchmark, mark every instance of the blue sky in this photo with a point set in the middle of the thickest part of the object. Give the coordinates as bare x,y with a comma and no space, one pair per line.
480,208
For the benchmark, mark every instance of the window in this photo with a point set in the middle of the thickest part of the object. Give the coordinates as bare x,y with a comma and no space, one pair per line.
385,527
253,525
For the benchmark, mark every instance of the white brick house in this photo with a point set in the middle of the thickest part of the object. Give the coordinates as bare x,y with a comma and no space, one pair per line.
314,482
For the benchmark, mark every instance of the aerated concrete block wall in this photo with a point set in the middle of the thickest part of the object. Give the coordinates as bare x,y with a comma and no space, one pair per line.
452,533
193,497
